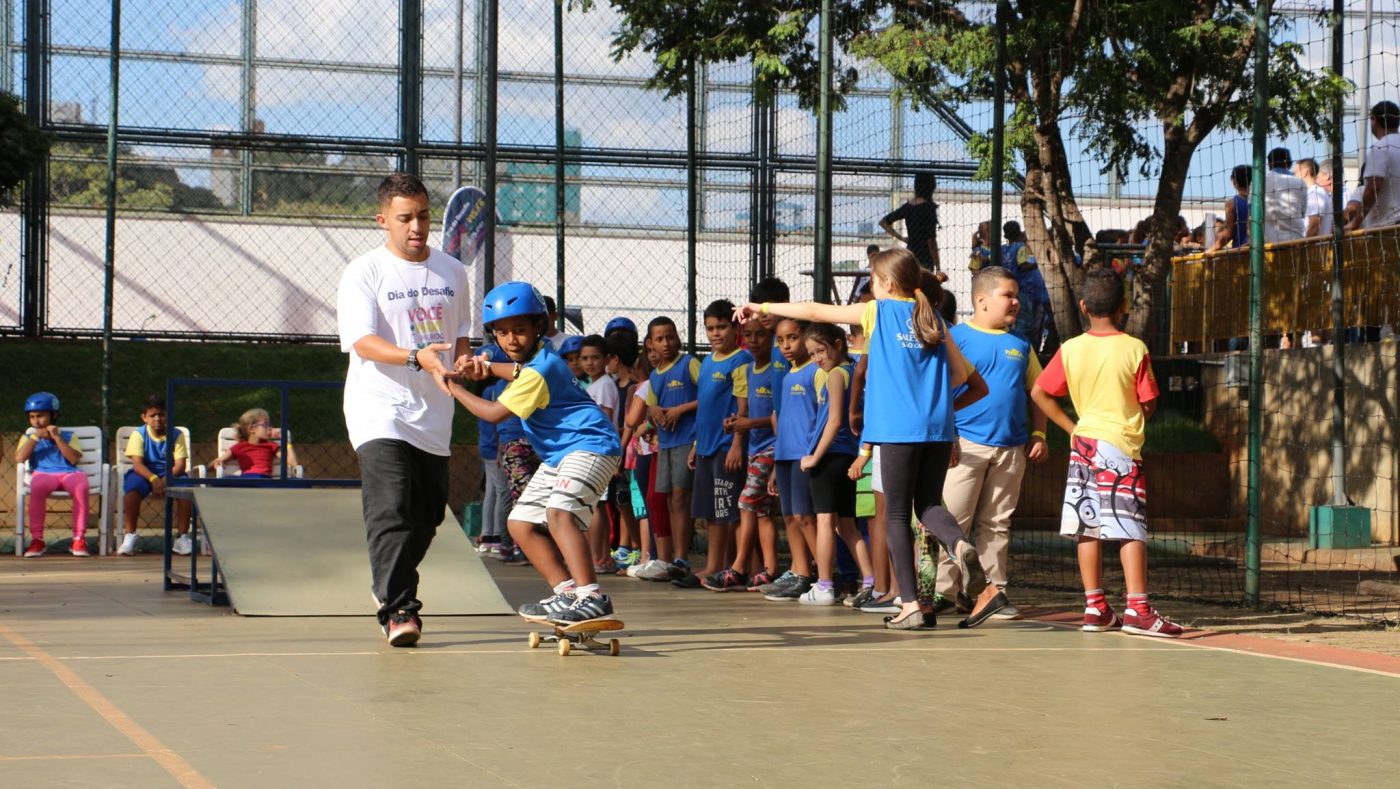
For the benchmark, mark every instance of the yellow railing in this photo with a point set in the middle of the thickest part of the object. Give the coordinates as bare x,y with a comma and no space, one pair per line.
1210,290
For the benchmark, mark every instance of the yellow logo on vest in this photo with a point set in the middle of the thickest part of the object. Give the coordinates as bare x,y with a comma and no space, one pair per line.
763,391
674,384
1015,354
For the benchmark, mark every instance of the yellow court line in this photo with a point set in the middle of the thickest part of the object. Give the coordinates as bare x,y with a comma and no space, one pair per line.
172,762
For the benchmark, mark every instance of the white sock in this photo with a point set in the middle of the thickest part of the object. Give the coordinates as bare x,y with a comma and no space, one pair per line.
587,590
565,586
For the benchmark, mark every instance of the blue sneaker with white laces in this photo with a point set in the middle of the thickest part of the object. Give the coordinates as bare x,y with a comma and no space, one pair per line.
545,609
585,609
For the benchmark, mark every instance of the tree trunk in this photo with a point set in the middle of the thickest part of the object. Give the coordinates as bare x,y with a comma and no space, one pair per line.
1177,150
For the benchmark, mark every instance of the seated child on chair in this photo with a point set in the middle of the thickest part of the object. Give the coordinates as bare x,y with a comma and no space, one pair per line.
148,473
53,460
578,447
255,450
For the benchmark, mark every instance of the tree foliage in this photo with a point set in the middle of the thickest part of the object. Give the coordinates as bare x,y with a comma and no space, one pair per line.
22,145
1104,73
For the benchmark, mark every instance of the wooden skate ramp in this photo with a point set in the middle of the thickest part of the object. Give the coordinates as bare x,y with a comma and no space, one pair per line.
301,552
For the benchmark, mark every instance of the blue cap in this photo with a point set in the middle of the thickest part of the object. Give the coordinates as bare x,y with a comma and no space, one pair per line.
41,401
620,323
572,344
510,299
497,353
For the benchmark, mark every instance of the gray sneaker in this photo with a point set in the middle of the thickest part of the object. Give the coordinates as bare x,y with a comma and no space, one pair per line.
545,609
584,609
792,590
1009,612
783,581
889,606
865,595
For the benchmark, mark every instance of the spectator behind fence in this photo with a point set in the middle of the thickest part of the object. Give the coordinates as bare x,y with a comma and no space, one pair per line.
981,253
1236,211
1319,211
1351,212
53,463
920,217
1380,203
255,450
1285,200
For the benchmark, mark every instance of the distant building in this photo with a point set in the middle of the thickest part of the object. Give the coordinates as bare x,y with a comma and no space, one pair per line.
526,191
789,217
66,112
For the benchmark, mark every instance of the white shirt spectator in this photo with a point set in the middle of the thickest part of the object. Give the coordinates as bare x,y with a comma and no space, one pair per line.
1320,205
1383,162
1285,206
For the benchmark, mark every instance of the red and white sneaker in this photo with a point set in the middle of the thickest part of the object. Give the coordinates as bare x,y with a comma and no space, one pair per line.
79,548
36,548
1150,624
1100,617
405,631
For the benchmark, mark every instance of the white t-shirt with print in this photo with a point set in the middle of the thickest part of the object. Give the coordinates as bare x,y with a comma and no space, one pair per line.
409,305
1383,161
604,393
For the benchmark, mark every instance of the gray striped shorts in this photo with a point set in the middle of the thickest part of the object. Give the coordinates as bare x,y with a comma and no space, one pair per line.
574,487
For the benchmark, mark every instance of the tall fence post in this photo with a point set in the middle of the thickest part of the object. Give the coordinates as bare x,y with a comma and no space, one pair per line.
998,136
411,82
36,183
559,200
1256,294
821,274
692,212
459,45
1339,389
488,249
109,251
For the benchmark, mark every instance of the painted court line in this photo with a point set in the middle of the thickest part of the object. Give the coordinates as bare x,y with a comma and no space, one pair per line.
170,761
1256,646
77,757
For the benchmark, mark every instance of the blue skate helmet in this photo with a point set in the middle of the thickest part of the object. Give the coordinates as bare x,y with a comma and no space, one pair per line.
509,299
572,344
41,401
620,323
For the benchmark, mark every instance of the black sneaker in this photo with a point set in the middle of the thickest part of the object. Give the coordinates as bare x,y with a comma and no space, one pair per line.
964,604
865,595
403,629
726,580
792,590
691,581
584,609
548,607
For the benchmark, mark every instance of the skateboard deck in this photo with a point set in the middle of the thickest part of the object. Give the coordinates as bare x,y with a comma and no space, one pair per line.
580,635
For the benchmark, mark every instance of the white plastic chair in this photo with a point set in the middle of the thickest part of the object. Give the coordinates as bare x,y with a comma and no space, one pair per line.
87,440
228,437
123,465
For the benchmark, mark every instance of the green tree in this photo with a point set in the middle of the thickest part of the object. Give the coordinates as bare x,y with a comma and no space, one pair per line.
1118,66
78,179
22,145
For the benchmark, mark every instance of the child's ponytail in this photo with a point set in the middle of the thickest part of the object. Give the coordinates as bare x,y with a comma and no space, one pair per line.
243,428
908,278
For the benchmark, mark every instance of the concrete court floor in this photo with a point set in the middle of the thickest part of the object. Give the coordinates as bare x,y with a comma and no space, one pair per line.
111,683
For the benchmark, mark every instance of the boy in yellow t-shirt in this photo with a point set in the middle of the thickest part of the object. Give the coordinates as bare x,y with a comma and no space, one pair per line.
1108,376
148,474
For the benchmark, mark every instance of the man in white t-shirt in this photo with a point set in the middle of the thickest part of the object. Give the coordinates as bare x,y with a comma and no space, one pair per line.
1319,210
403,319
1380,203
1285,200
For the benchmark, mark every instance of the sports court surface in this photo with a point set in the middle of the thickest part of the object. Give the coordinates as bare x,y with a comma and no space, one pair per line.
112,682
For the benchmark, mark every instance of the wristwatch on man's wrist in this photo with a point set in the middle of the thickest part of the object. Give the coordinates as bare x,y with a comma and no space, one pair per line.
413,361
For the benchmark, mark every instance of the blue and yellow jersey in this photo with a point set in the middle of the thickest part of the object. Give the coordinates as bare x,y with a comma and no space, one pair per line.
671,385
723,380
845,442
1009,366
763,382
908,394
796,406
558,415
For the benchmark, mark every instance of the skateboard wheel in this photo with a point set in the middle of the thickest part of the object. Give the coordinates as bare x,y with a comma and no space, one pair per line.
614,647
565,647
534,640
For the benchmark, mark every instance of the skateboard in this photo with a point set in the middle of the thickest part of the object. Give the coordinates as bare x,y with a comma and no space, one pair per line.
580,635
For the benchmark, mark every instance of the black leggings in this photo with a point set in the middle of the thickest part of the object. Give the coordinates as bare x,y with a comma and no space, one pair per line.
913,474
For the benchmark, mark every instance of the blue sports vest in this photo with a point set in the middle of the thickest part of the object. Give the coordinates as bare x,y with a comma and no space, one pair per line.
717,400
672,388
845,442
908,399
762,385
797,411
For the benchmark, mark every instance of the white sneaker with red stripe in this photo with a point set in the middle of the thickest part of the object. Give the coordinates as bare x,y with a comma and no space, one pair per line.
1150,624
